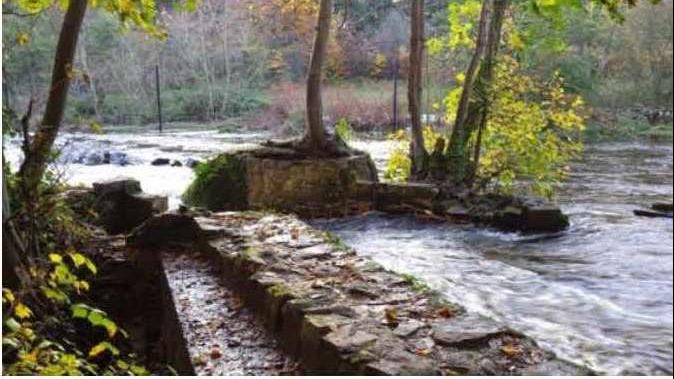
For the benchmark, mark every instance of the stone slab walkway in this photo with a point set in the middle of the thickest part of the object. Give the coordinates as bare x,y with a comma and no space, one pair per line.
336,312
221,336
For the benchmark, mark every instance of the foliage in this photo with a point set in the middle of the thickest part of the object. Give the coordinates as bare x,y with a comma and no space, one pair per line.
220,184
49,330
417,284
56,223
533,132
142,13
399,166
344,130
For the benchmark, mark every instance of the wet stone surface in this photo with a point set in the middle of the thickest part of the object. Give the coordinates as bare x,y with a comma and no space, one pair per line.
338,313
222,334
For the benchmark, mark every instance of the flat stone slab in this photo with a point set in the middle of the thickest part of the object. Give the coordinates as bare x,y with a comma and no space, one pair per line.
342,314
222,337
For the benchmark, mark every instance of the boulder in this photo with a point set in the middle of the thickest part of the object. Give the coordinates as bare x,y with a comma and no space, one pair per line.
466,331
531,219
652,214
121,205
177,163
119,158
93,159
164,230
161,162
121,184
192,163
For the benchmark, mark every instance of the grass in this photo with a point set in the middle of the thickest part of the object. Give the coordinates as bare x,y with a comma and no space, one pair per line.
366,105
622,128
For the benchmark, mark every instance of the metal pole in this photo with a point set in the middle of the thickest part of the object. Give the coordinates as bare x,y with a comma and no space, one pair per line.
161,124
396,70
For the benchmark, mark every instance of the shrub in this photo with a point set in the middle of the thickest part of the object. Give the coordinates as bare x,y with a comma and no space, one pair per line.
75,338
220,184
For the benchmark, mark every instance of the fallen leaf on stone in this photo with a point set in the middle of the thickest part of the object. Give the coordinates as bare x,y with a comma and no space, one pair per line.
446,312
295,234
511,350
216,354
424,352
392,316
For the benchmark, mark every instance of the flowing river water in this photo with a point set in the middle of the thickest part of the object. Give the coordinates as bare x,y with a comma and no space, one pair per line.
599,294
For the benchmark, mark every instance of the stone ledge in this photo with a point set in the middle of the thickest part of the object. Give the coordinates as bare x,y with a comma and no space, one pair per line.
339,313
503,212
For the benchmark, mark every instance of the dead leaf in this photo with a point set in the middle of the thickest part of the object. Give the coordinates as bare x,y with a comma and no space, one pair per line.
424,352
446,312
511,350
391,316
216,354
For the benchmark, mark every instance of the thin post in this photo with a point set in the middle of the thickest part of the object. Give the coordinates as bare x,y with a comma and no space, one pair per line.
161,124
396,70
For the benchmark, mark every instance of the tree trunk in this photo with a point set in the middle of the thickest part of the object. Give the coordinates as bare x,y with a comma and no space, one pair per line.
36,161
418,152
91,82
458,157
12,247
315,135
485,80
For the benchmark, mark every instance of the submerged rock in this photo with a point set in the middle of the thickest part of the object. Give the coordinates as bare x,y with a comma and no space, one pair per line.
192,163
653,214
531,219
161,162
663,207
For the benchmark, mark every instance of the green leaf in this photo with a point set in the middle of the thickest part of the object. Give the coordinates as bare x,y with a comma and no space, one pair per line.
111,327
55,295
7,295
55,258
103,347
80,310
12,324
11,342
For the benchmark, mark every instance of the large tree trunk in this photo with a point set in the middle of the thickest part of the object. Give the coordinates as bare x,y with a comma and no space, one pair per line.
35,161
418,152
315,136
485,82
457,151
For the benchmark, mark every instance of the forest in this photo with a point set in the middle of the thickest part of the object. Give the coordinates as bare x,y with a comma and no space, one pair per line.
337,187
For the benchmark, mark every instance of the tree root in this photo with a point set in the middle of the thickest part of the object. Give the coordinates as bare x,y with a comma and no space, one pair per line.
334,147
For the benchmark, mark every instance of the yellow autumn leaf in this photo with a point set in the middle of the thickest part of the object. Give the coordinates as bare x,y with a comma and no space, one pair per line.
22,38
22,312
7,295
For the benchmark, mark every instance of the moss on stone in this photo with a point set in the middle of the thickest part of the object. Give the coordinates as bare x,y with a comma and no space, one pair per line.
280,291
220,184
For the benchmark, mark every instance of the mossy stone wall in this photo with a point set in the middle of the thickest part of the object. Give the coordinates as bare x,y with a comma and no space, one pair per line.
259,180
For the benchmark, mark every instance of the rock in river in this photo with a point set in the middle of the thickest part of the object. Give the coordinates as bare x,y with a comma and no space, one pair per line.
161,162
122,205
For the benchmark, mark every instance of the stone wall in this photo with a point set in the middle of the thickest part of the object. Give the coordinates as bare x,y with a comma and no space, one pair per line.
280,180
342,314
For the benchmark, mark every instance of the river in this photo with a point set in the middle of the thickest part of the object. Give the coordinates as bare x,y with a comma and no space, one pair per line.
599,294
